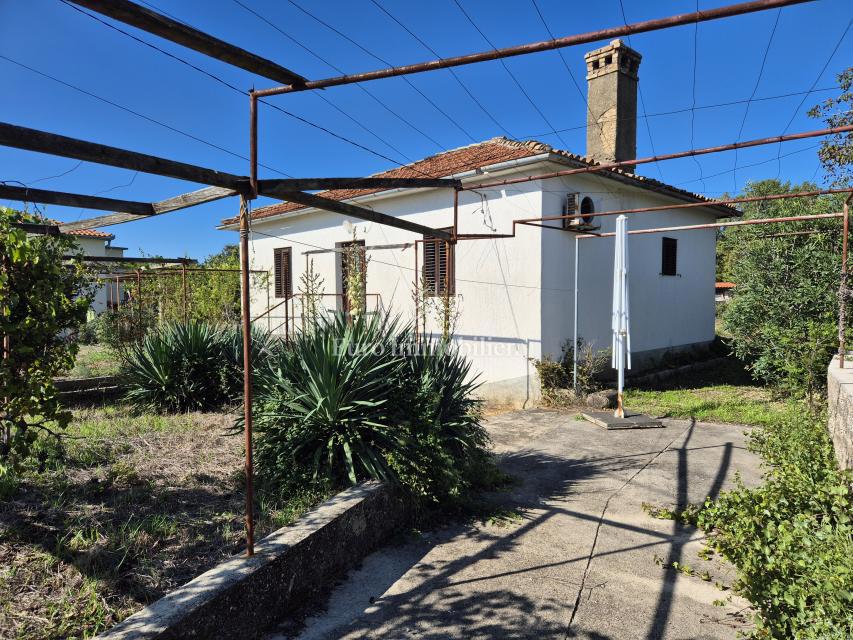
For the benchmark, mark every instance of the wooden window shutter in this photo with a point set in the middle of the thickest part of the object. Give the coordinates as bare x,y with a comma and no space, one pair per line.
438,267
669,257
283,272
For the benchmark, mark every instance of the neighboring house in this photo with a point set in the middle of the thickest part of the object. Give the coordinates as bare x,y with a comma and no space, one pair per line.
514,296
723,291
99,243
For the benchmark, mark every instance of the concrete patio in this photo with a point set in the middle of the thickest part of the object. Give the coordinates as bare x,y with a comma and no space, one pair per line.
583,560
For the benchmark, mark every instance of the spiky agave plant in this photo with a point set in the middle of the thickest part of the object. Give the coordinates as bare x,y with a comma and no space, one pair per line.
325,406
177,367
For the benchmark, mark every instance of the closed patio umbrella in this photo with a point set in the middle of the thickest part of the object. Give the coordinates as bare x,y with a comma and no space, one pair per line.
620,324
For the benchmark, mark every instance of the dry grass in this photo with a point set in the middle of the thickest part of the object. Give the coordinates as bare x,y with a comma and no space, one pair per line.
141,505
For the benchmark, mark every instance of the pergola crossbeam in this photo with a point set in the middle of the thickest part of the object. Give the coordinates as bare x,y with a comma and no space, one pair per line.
179,33
42,196
347,209
183,201
44,142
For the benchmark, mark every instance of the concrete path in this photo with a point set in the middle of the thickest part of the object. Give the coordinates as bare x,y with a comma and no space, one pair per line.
583,560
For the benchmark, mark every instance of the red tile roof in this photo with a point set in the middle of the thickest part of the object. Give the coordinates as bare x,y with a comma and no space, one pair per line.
475,156
91,233
725,285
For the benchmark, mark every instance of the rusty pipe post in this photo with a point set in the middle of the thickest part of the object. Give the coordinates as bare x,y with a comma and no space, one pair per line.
138,299
842,288
247,373
184,288
253,145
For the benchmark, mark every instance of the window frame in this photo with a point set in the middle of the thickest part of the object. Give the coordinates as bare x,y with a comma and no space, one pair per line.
669,256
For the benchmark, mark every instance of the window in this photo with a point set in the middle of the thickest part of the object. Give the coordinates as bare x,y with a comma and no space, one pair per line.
283,272
587,209
438,268
669,257
345,266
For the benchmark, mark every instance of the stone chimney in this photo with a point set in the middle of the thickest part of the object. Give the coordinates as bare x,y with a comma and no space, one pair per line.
611,121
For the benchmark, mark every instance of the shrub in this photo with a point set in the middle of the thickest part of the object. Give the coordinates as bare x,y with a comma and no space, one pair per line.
43,300
190,366
358,398
791,538
555,375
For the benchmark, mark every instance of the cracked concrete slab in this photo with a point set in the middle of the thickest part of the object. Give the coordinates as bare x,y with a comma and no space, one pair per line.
583,560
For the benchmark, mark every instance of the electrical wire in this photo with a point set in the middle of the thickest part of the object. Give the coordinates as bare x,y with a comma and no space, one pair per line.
341,71
389,64
583,97
642,101
465,88
138,115
510,73
237,89
800,105
693,107
754,91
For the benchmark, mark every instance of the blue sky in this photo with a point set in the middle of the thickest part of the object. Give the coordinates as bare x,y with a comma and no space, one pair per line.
397,122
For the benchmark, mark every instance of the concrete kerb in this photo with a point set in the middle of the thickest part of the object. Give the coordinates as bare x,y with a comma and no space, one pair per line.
243,598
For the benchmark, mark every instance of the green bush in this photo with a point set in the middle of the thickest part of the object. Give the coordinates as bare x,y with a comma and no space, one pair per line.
358,398
791,538
191,366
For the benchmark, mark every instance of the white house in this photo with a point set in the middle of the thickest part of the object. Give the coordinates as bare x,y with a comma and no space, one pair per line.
99,243
513,295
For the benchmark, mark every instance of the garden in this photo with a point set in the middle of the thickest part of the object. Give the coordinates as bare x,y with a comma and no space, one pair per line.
106,508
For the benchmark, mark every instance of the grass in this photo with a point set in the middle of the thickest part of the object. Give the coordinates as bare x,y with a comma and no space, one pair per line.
139,505
94,360
723,394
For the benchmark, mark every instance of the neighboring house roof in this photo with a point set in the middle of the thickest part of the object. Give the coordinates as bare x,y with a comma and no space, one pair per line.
485,154
91,233
725,285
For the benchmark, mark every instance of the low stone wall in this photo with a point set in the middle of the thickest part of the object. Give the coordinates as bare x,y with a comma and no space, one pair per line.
840,396
244,597
74,391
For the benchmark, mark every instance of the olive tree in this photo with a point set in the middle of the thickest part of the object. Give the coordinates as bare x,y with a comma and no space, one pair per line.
44,299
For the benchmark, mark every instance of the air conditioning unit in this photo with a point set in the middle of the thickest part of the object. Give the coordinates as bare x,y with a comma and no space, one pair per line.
572,208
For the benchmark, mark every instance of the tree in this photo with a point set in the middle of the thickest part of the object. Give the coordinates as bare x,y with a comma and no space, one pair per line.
784,312
44,299
836,152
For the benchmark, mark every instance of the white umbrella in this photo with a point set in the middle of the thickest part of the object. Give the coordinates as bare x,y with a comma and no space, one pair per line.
620,324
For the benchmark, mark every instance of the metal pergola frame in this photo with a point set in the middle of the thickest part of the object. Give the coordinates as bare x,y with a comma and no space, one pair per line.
221,185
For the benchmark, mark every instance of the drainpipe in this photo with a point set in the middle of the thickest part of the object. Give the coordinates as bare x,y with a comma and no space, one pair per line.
575,323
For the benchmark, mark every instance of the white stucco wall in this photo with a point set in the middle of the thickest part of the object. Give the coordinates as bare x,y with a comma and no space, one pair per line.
99,247
515,295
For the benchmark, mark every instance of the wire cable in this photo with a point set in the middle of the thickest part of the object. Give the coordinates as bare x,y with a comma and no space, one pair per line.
693,107
389,64
510,73
642,101
138,114
754,91
341,71
237,89
465,88
800,105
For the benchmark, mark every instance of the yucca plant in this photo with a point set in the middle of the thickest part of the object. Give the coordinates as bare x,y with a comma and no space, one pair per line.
325,404
177,367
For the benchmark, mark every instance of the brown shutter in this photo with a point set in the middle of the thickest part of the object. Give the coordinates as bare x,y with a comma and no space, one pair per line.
669,257
438,267
283,272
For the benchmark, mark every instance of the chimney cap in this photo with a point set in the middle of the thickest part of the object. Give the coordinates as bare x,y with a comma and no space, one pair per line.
613,57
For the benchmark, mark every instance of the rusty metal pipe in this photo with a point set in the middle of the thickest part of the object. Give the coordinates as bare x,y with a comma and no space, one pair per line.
247,373
535,47
842,288
253,144
668,156
717,225
687,205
